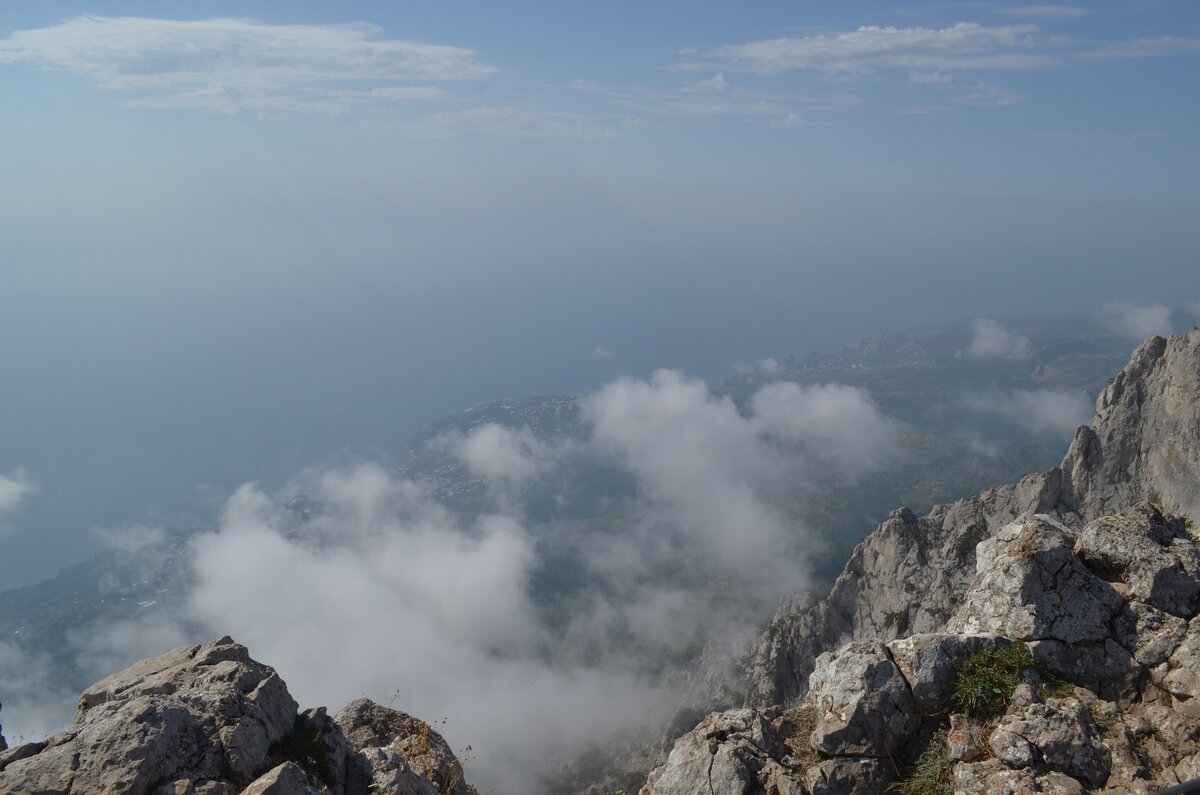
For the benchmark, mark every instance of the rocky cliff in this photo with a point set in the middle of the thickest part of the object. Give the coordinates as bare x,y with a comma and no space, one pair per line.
1085,577
209,720
910,574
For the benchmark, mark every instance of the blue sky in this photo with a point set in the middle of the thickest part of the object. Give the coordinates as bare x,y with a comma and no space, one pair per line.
241,239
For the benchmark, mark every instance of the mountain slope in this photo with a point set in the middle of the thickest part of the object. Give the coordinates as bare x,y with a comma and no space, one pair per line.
912,574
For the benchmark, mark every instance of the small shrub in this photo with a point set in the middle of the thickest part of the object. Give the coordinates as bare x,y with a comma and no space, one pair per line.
985,681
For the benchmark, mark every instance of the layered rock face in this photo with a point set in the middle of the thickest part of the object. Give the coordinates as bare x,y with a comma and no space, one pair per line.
209,720
1105,603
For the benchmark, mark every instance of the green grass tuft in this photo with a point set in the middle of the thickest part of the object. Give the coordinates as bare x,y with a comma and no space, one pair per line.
985,681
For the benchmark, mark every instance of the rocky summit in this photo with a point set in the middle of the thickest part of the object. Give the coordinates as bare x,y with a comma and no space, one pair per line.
209,720
1041,637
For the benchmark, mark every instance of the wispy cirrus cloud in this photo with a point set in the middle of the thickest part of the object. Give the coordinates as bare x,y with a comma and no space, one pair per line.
963,46
230,65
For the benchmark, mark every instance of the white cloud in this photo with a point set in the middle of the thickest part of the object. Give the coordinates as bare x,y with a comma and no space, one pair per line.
990,339
769,366
716,83
508,458
600,353
1056,411
1138,321
34,705
231,65
701,466
838,425
15,488
966,45
377,590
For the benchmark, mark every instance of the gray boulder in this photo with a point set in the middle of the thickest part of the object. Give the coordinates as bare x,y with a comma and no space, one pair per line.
286,779
1056,736
1031,586
209,720
398,753
738,752
863,703
200,713
1147,556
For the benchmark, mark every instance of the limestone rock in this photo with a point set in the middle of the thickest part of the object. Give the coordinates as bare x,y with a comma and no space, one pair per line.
993,778
1148,633
863,703
287,779
209,720
1142,443
1058,735
849,776
399,753
965,739
738,752
907,577
1149,555
1031,586
197,713
1182,678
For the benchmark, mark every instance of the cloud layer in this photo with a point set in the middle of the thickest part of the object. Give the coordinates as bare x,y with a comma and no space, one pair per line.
533,639
990,340
1138,321
966,45
229,65
1057,411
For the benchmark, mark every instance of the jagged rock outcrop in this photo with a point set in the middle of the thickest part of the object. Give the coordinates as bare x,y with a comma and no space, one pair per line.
1142,445
209,720
402,753
1059,671
1107,604
910,574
